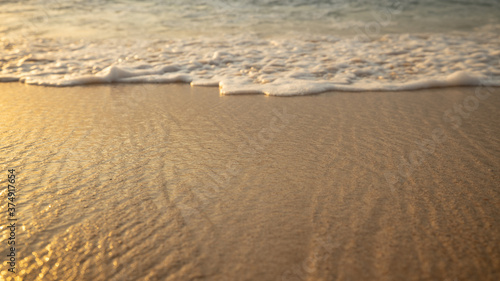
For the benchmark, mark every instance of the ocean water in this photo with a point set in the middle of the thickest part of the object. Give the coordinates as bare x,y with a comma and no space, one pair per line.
292,47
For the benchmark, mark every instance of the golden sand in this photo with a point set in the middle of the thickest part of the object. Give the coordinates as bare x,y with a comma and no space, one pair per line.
169,182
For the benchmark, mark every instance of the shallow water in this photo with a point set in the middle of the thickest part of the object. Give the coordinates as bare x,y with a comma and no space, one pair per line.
159,19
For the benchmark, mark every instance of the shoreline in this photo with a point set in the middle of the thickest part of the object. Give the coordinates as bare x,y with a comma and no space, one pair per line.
492,87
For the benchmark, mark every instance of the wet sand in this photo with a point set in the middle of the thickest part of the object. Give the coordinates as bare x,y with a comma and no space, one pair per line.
170,182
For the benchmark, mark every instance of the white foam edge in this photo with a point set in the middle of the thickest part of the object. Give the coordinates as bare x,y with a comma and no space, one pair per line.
235,86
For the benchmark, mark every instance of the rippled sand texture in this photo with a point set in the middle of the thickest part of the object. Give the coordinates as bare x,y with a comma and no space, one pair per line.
168,182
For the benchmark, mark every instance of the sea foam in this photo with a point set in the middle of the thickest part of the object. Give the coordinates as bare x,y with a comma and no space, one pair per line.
253,65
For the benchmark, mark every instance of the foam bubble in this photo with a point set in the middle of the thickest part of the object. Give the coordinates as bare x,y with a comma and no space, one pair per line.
252,65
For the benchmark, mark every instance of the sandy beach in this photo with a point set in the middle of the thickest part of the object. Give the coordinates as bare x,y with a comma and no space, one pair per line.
172,182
